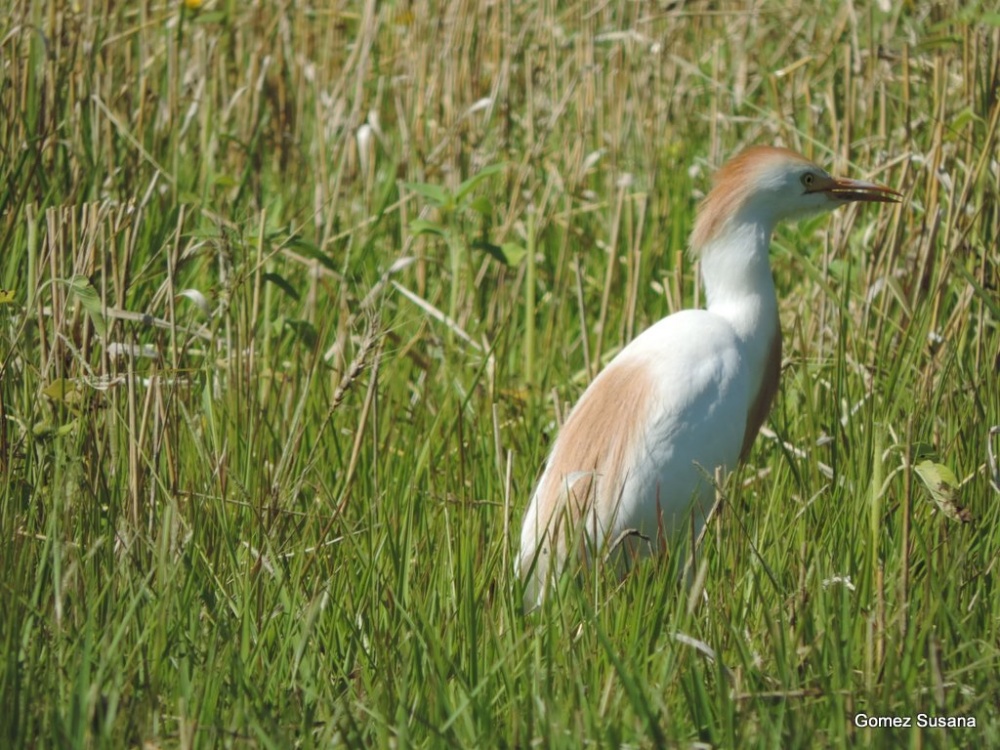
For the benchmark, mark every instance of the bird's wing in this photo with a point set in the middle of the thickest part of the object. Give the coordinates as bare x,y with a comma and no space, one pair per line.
632,438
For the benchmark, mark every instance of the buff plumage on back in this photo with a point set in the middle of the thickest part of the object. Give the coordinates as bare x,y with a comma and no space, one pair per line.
587,468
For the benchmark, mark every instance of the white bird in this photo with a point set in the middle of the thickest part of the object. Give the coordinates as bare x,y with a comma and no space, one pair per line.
688,395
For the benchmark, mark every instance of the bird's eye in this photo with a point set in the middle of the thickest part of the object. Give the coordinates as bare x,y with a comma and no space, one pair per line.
808,179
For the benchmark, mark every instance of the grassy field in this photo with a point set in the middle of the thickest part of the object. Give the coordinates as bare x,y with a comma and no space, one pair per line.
294,299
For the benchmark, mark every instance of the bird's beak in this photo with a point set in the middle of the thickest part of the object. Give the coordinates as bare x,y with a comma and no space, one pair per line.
842,189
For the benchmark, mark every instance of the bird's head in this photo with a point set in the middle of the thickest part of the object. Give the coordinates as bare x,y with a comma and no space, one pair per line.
768,184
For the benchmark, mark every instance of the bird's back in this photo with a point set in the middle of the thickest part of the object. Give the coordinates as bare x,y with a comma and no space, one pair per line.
638,450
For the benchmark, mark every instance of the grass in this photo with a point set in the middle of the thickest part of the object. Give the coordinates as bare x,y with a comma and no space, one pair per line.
274,389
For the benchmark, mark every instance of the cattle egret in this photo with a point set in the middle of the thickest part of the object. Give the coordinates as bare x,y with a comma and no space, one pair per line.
688,395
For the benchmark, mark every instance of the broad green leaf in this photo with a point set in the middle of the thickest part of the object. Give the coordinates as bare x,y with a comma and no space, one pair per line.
224,181
482,205
46,430
310,250
58,389
942,484
282,283
514,253
84,292
470,183
488,247
423,226
510,253
211,18
436,194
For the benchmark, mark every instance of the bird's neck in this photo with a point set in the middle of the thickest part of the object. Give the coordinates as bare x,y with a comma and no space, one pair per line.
736,274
